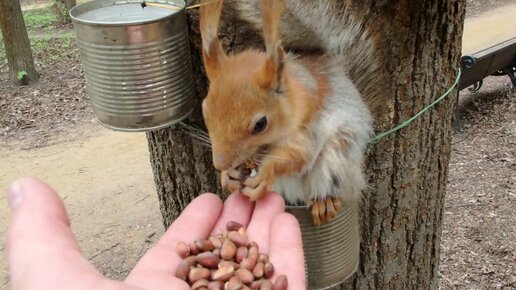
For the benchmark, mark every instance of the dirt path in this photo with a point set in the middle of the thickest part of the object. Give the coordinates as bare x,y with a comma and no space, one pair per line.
489,28
107,186
106,181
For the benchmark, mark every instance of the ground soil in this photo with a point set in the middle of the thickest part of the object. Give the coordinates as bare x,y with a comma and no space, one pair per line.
478,7
48,130
478,248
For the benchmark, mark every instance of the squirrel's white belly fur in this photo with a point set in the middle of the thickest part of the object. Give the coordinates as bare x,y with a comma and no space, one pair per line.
339,134
341,130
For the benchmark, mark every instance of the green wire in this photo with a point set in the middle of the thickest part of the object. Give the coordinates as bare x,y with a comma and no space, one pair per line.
380,136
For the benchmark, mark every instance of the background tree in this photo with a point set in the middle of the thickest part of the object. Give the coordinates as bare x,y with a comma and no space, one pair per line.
16,41
402,210
62,8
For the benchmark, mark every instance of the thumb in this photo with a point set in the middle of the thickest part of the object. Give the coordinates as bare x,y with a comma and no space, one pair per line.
41,249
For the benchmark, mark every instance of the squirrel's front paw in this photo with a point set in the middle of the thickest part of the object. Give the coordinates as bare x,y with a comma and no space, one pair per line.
324,210
258,182
231,180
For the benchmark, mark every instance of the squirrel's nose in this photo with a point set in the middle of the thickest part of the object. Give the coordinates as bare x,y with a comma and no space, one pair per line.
220,162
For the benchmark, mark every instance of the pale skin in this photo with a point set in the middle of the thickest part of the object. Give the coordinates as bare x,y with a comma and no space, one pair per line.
43,253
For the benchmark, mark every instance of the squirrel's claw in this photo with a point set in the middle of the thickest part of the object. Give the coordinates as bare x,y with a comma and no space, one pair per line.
256,186
229,181
234,174
325,210
256,192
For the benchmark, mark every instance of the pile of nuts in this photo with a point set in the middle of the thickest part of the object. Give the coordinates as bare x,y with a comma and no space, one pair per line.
227,261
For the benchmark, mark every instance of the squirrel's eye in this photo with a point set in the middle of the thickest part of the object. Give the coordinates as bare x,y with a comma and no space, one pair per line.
260,126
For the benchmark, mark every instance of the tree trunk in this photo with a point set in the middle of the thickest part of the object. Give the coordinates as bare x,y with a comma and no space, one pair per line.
62,8
69,4
402,210
16,41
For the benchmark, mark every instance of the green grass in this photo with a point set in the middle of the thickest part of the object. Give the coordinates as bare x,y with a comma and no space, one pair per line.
50,41
41,18
51,48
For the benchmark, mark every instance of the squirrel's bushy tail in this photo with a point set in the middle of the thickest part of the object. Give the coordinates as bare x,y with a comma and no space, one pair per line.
331,26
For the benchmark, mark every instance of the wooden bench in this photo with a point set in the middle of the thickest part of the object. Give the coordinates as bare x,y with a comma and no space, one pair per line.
497,60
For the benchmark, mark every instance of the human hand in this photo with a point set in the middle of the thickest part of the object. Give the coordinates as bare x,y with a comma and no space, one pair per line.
43,253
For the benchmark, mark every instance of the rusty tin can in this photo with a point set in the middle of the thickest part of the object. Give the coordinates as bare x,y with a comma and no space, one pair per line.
332,250
136,61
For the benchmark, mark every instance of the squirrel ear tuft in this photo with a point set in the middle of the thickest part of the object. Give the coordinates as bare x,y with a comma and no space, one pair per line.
212,52
271,74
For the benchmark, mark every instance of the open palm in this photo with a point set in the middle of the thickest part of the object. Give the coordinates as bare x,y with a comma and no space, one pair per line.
43,252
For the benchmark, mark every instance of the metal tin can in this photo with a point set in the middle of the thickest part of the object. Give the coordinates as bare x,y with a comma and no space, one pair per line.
136,61
332,250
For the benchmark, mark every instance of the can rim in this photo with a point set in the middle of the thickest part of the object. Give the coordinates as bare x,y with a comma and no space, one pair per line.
80,9
287,206
144,129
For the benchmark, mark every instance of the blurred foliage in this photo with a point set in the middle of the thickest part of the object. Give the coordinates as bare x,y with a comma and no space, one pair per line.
40,18
61,11
50,39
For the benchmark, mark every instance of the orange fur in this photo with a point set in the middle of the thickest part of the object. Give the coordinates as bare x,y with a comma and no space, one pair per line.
213,54
252,84
315,66
271,74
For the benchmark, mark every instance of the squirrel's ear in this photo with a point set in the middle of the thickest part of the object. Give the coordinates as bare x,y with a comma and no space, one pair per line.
212,52
271,74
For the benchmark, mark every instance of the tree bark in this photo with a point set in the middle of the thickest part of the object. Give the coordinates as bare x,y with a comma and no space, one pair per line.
16,41
402,209
69,4
182,166
62,9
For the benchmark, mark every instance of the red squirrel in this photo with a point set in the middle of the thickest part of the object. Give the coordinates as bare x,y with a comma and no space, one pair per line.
283,122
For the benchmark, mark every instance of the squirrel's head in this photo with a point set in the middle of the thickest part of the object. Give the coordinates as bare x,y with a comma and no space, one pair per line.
245,109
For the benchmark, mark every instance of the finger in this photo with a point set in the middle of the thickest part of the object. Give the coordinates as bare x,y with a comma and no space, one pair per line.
237,208
42,250
196,221
265,210
286,250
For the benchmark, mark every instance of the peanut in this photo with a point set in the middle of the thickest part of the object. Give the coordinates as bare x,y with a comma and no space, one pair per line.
196,274
223,274
204,245
192,260
233,226
238,239
258,270
248,264
263,258
281,283
268,270
216,285
244,275
255,285
241,254
208,260
227,261
193,249
228,250
233,284
183,250
253,252
224,263
182,270
200,283
216,242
